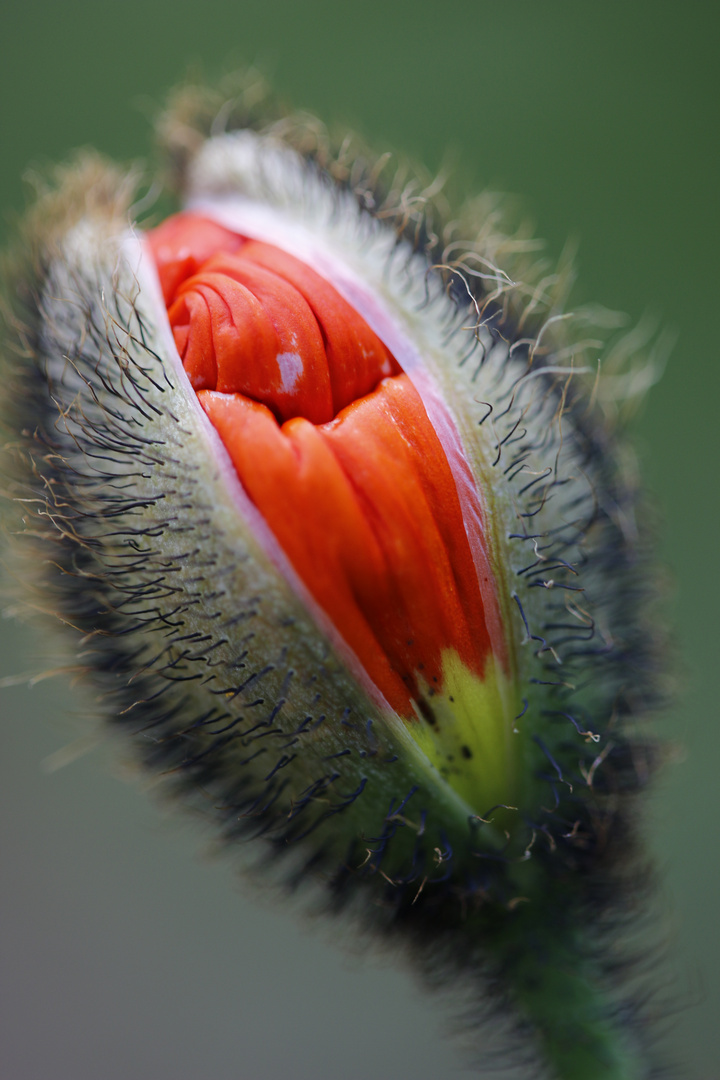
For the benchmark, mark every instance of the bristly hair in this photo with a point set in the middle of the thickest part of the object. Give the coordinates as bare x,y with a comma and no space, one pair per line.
144,594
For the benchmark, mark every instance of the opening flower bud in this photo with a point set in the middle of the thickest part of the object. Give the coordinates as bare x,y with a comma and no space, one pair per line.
340,521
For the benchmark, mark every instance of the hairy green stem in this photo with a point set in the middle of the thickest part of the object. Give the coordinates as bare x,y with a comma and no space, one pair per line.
559,989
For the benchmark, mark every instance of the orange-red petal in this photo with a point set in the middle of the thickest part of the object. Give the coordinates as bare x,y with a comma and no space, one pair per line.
357,359
333,444
182,244
367,512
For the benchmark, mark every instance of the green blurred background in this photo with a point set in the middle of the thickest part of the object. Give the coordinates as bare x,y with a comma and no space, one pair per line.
125,951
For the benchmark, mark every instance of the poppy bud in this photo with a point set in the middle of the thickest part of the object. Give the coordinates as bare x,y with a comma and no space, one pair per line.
334,510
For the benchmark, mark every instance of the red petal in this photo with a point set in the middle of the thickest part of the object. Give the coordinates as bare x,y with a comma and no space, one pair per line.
366,510
355,484
301,386
182,243
356,357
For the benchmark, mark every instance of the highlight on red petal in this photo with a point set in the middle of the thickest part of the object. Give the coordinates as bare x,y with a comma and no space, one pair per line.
333,445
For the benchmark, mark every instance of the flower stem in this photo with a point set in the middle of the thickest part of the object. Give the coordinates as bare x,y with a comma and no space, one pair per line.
560,990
